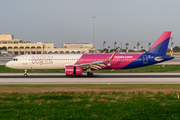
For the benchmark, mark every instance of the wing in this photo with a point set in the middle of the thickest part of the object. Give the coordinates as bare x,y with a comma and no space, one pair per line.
96,65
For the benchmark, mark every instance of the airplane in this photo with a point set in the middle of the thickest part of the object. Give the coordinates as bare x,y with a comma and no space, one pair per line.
3,53
76,64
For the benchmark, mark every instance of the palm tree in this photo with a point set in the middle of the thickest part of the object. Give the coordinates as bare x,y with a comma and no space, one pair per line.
141,47
126,46
104,44
108,48
138,45
118,48
171,48
115,45
149,45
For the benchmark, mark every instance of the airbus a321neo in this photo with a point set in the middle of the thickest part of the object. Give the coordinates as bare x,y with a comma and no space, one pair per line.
75,64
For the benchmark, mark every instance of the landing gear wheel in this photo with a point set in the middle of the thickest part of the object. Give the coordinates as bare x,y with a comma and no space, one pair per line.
25,75
89,74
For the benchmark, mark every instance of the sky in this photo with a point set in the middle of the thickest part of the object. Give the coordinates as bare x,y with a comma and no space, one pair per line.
70,21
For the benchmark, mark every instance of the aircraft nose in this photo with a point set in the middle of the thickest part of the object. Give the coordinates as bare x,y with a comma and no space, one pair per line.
9,64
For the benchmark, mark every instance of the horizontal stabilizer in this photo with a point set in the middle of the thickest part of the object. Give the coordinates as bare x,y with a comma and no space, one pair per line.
161,58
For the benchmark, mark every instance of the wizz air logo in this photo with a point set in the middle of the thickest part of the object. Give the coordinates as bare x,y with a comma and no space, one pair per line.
42,60
123,57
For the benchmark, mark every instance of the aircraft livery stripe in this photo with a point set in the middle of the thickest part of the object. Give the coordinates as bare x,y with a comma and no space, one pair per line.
119,61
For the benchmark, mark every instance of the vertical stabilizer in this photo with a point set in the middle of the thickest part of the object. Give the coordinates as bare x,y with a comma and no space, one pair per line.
161,45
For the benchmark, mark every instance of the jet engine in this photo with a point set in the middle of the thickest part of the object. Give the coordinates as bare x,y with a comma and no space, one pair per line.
73,70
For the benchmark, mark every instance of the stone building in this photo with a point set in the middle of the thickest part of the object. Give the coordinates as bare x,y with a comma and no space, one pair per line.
20,47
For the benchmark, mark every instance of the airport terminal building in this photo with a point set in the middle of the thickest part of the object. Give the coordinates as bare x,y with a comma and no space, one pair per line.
20,47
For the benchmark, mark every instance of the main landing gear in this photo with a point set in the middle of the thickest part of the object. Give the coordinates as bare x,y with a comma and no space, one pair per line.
89,74
25,73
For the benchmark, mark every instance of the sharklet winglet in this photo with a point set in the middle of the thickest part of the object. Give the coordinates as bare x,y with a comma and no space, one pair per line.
111,58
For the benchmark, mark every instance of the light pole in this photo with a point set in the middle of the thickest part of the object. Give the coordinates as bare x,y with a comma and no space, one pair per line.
171,38
94,30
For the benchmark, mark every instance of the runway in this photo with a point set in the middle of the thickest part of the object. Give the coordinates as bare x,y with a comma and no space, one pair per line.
99,78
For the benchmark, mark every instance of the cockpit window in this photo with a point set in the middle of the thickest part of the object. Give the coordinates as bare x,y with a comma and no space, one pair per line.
15,59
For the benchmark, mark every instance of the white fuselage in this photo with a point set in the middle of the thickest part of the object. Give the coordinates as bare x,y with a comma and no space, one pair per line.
38,62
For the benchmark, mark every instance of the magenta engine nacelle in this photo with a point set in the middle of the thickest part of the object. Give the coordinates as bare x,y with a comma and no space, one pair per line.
73,70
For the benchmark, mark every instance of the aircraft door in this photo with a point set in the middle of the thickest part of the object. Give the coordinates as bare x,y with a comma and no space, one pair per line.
25,62
145,59
24,59
80,60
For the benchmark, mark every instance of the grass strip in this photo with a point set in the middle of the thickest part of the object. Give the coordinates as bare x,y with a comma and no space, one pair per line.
89,102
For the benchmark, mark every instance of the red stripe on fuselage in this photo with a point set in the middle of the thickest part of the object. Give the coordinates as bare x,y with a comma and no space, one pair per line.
119,61
163,37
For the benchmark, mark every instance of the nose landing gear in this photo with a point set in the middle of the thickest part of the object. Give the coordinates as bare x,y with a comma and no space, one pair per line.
25,73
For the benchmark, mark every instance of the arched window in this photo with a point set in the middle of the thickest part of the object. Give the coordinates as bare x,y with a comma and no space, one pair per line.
61,52
72,52
50,52
4,48
78,52
27,52
67,52
15,47
10,52
22,52
4,42
38,47
16,53
38,52
56,52
9,47
33,52
10,42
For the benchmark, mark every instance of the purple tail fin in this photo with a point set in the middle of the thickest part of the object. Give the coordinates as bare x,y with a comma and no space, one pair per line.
161,45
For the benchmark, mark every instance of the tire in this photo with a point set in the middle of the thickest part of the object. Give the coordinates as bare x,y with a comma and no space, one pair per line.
89,74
